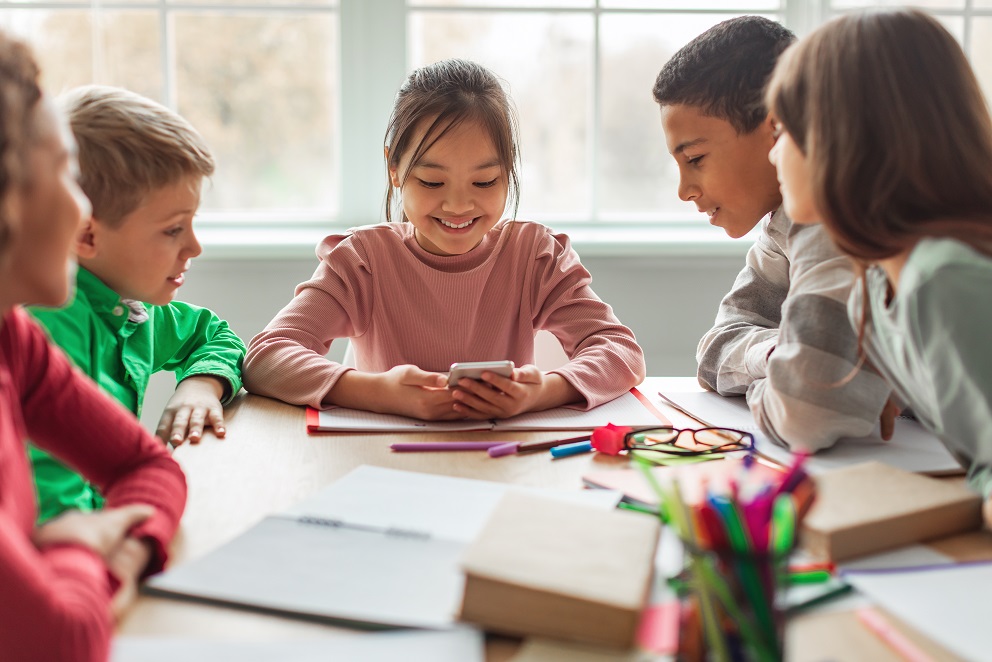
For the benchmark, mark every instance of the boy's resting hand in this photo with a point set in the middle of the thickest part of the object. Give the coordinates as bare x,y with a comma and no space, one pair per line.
500,397
195,404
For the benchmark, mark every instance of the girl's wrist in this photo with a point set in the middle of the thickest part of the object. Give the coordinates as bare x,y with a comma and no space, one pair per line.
355,389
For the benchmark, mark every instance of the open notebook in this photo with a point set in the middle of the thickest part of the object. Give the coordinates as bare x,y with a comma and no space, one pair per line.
911,448
378,547
632,409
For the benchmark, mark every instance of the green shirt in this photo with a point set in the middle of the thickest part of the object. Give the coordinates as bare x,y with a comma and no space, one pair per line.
932,344
120,356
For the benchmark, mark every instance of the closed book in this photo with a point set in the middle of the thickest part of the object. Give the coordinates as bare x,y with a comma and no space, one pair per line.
552,569
873,507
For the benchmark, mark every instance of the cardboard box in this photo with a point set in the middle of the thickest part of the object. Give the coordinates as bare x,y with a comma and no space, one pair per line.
873,507
549,568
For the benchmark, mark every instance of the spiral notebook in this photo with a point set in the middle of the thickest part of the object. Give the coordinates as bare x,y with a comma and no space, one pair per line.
631,409
380,547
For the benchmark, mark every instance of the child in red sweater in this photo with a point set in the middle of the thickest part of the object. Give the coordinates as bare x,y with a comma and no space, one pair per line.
62,582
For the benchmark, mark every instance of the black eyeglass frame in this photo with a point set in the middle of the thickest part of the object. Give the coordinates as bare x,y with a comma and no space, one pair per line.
745,443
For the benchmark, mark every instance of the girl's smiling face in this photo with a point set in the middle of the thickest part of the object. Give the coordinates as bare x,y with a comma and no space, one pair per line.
456,192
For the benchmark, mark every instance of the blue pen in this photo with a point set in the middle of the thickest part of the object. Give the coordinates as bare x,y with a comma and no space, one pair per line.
571,449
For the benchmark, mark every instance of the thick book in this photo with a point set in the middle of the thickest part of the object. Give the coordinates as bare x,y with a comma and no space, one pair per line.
912,447
560,570
631,409
379,547
873,507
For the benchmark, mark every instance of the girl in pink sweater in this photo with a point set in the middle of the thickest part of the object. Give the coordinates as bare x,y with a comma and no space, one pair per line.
63,582
450,282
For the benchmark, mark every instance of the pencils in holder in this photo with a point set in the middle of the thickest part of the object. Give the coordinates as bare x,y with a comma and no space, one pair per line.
738,542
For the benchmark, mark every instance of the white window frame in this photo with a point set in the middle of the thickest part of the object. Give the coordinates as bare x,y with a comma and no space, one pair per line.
373,57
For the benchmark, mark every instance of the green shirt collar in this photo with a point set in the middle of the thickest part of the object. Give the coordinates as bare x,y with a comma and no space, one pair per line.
106,303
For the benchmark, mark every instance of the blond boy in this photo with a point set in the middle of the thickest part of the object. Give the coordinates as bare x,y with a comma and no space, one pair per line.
142,167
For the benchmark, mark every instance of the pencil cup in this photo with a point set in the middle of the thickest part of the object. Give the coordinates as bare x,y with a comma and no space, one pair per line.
729,605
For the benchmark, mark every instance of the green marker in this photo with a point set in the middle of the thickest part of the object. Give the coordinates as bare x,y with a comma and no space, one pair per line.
783,533
811,577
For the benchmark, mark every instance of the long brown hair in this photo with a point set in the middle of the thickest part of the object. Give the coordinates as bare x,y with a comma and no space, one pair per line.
896,131
20,92
448,93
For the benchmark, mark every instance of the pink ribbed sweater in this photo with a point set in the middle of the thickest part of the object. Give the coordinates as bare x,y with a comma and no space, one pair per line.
402,305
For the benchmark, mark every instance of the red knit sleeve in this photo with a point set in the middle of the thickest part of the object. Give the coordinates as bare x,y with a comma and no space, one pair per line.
56,603
67,415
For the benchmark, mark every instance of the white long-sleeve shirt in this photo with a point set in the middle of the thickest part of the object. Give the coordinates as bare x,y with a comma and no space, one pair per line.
783,338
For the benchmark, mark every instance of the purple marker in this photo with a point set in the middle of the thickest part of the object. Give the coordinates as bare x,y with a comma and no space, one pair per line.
446,446
509,448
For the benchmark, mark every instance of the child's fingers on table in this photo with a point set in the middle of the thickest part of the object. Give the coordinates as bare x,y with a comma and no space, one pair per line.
165,425
216,417
197,419
179,426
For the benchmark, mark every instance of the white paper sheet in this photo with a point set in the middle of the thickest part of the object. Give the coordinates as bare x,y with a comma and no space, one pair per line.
462,644
624,410
912,448
950,604
911,556
442,506
548,650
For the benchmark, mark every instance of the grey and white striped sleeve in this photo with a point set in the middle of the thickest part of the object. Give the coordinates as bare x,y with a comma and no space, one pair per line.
813,392
734,352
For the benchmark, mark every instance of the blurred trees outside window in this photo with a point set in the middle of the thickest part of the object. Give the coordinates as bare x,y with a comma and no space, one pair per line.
263,81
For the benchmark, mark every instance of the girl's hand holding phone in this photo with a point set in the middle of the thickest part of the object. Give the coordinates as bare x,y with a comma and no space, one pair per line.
404,389
496,396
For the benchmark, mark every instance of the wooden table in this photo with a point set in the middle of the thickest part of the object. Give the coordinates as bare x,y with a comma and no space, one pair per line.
268,462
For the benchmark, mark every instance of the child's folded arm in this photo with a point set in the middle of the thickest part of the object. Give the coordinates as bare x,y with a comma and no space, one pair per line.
287,359
605,360
734,353
191,340
63,589
815,392
109,447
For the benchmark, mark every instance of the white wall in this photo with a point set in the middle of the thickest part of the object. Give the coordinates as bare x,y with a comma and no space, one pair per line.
669,302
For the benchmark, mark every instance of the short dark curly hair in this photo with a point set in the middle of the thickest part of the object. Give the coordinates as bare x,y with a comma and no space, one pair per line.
20,92
724,70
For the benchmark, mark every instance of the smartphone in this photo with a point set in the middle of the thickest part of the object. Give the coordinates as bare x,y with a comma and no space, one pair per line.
475,369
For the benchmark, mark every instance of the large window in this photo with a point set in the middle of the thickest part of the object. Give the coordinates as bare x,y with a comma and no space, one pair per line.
293,95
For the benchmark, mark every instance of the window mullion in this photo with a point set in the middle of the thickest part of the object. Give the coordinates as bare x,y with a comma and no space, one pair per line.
373,65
